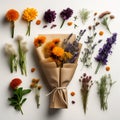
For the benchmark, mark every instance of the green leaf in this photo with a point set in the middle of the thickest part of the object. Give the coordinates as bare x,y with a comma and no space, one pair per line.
26,91
23,101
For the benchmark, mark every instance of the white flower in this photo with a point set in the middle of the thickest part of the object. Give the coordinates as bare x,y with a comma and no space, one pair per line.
24,46
19,38
9,49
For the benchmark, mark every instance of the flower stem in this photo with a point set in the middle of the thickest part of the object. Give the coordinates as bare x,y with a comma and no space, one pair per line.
62,23
98,66
28,29
21,110
12,29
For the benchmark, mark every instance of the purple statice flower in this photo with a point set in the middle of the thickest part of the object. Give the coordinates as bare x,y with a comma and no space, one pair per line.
65,15
49,16
105,51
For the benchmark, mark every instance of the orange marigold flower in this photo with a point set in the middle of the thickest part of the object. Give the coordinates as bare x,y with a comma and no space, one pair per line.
15,83
29,14
58,51
12,15
56,40
39,41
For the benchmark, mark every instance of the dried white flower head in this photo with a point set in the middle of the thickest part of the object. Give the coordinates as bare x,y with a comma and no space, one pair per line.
24,46
19,38
9,49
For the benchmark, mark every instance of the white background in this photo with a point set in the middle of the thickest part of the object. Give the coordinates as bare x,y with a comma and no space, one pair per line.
74,111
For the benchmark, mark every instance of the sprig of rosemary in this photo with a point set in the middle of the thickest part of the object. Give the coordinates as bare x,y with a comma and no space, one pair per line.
17,99
104,88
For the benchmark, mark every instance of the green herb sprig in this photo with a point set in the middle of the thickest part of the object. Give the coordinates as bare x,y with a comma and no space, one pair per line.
17,99
104,88
84,15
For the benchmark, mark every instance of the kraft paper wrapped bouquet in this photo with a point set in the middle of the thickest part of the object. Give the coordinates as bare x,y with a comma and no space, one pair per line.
58,54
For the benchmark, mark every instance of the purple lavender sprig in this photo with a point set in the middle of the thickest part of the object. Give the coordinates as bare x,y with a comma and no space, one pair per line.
65,15
49,16
105,51
73,47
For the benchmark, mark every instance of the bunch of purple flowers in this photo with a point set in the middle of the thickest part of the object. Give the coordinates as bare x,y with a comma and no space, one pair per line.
65,15
49,16
105,51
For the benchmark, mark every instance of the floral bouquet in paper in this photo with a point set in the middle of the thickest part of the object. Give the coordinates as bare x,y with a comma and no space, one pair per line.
58,54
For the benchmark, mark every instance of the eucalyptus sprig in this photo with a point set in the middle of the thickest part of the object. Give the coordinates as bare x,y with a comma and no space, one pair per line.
17,99
104,88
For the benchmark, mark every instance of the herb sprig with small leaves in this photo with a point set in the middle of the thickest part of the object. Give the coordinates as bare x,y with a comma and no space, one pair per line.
90,44
84,15
104,88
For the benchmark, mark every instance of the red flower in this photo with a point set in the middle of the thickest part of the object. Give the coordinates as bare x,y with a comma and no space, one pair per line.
15,83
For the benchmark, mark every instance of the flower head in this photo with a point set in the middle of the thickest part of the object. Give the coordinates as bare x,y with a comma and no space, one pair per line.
49,16
105,51
86,83
58,51
56,40
15,83
66,13
29,14
38,41
12,15
9,49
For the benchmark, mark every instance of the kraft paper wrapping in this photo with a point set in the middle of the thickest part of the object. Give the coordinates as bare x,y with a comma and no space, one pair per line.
58,79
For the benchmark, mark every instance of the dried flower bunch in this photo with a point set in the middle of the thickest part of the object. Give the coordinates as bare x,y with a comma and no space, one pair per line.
22,50
36,87
12,15
29,14
90,43
49,16
65,15
104,87
17,99
105,18
13,61
86,83
105,51
73,47
55,52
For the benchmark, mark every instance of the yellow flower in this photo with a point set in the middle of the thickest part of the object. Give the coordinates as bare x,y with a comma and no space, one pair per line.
58,51
30,14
